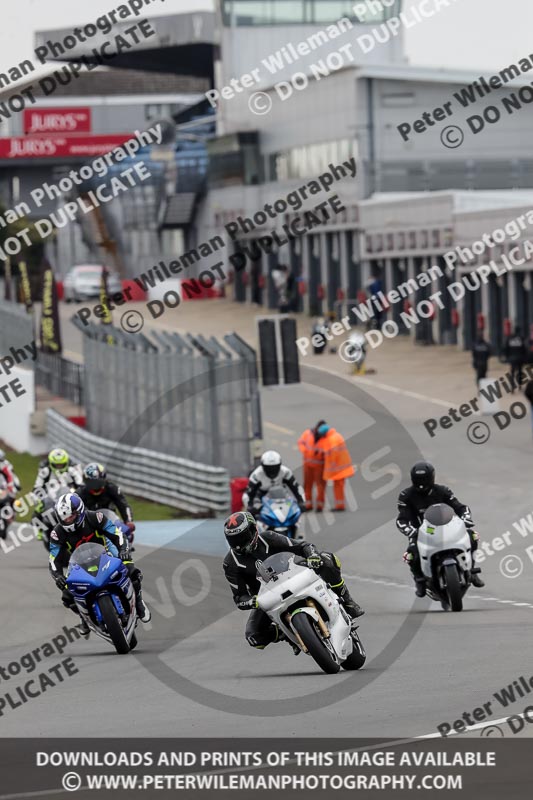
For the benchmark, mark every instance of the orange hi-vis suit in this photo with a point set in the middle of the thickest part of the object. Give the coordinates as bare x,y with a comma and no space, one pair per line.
313,464
337,464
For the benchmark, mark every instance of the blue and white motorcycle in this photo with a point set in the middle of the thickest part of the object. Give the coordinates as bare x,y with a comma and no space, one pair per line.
280,512
104,594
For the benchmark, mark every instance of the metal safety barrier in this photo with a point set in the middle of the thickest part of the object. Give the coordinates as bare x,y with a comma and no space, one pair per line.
199,488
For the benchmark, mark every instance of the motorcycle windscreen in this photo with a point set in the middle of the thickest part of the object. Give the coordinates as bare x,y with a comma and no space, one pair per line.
276,565
439,514
277,493
87,556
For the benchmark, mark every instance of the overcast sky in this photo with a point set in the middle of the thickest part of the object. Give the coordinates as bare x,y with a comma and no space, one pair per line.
481,34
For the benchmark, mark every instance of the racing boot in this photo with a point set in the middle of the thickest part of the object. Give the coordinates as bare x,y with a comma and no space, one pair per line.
143,612
353,608
282,638
420,584
476,579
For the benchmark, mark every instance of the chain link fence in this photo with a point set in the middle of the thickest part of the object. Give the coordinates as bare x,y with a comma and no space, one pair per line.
186,396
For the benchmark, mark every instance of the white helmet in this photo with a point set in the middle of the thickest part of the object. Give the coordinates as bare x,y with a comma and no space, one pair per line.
70,510
271,463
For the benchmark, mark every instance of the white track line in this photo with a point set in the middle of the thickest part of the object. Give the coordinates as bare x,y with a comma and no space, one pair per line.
386,387
384,582
279,428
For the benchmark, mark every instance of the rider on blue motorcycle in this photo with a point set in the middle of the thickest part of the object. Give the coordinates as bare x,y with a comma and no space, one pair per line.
78,526
271,472
99,493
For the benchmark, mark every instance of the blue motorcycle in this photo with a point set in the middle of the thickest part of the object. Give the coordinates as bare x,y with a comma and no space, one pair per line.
104,595
280,512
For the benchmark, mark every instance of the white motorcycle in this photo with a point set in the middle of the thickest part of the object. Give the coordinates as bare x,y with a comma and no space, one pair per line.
308,612
445,556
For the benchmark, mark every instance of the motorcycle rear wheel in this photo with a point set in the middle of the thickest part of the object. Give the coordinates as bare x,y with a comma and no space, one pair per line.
453,587
112,623
305,626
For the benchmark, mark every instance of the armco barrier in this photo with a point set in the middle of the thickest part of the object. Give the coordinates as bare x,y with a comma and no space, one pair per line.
164,478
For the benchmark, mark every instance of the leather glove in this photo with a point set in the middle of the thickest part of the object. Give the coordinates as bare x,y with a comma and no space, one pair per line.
124,552
314,561
248,605
61,582
130,526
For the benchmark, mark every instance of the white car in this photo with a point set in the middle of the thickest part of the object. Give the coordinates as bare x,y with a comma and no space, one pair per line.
83,283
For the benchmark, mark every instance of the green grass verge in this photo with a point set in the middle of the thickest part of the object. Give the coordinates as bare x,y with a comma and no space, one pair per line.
26,468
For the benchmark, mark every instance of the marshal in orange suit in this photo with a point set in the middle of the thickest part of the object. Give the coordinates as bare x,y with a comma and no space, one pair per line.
337,462
313,467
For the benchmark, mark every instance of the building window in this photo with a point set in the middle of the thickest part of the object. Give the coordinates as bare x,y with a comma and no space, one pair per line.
251,13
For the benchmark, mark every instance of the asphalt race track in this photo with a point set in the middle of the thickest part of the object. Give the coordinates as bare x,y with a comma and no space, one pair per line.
193,673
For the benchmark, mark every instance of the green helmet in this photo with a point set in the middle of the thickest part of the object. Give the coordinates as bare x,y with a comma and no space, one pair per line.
58,460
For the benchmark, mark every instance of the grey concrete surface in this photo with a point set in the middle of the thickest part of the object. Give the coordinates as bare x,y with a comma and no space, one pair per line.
447,663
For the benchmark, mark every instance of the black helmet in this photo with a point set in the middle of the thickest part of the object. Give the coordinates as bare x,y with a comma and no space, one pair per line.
94,476
241,533
423,476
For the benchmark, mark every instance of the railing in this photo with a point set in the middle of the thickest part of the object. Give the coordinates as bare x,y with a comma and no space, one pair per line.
185,484
60,376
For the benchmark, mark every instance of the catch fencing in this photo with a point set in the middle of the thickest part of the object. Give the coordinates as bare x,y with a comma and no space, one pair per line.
175,481
186,396
16,327
60,376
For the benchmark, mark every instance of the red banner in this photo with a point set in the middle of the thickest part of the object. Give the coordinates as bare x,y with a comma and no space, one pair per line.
60,146
57,120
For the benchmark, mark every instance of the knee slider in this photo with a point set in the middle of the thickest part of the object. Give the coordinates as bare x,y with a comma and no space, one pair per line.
252,641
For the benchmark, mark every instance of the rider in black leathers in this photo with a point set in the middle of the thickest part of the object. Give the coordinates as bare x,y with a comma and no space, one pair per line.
248,546
413,502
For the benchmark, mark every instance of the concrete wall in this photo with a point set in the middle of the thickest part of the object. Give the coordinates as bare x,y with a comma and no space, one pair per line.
15,417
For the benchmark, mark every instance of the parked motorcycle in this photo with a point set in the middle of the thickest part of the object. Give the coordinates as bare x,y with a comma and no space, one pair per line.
445,556
280,512
104,594
308,612
7,515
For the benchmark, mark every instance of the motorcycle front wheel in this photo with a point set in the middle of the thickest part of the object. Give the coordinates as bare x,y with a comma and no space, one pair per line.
306,628
453,587
112,623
